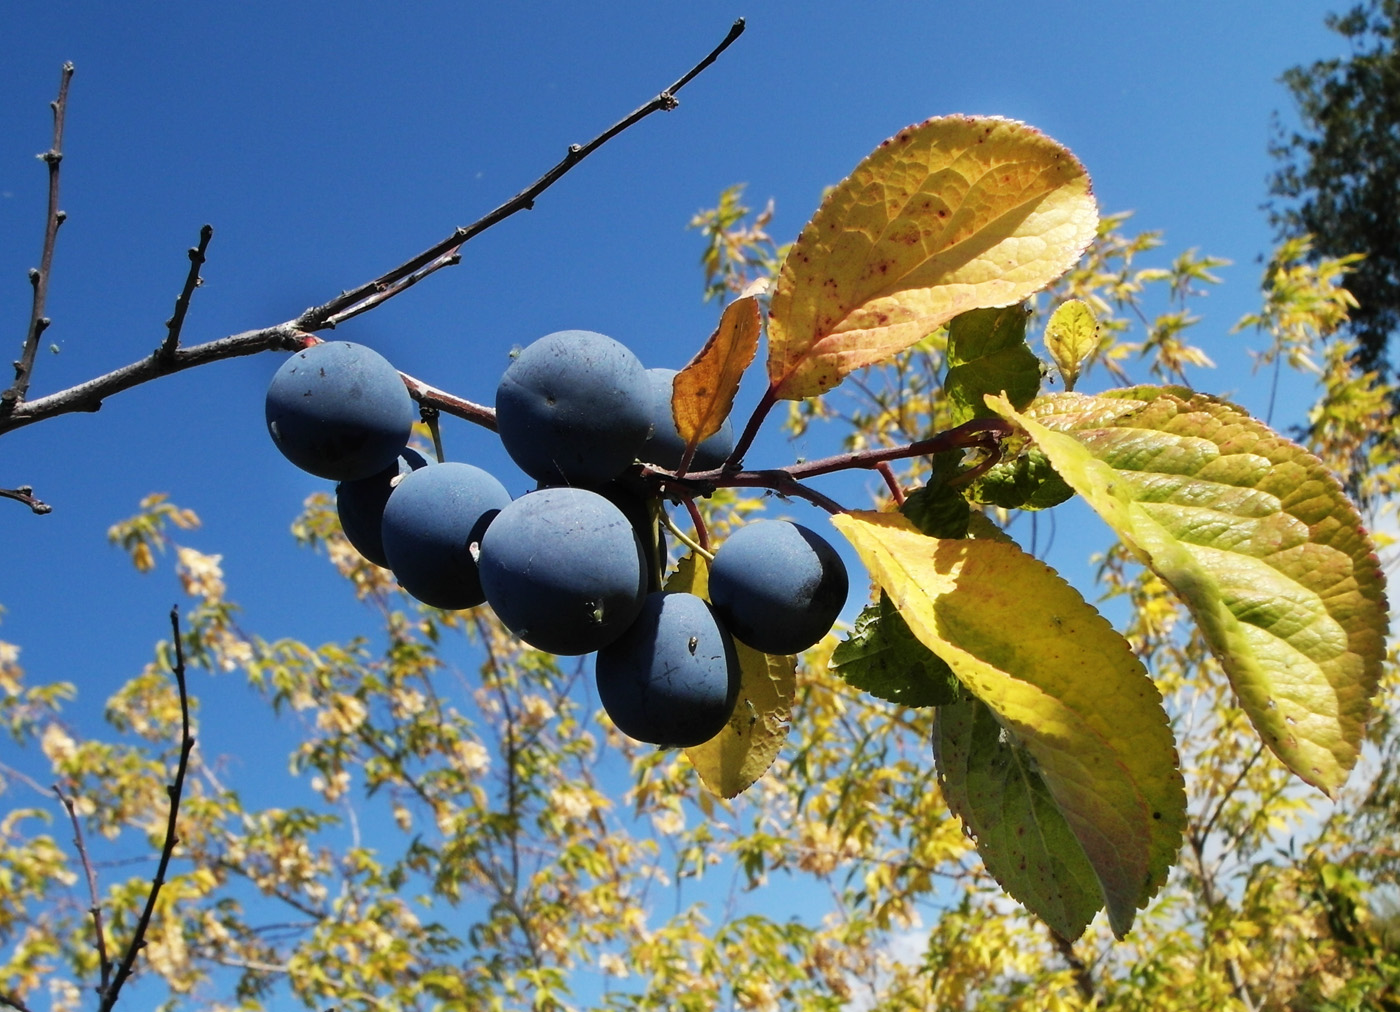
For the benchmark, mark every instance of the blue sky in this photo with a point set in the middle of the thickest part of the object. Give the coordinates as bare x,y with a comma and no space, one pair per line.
327,141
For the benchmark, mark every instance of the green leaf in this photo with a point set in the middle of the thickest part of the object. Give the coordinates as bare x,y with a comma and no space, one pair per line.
988,354
957,213
884,658
938,510
994,785
1256,537
1025,482
733,760
1062,683
1071,336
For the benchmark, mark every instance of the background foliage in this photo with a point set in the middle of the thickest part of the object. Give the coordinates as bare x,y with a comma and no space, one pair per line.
479,837
463,829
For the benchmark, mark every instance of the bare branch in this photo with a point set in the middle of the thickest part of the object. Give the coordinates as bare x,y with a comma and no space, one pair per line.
89,395
39,277
17,412
174,790
103,961
176,322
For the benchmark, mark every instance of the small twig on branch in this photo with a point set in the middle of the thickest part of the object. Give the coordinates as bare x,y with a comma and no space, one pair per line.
374,292
449,259
39,277
174,790
429,396
103,961
176,322
746,438
25,494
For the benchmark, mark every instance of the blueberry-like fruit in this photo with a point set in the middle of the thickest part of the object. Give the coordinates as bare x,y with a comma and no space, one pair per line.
672,678
563,570
433,522
777,586
360,505
665,446
573,408
339,410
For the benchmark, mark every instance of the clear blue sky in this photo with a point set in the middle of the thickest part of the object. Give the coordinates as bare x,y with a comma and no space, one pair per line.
327,141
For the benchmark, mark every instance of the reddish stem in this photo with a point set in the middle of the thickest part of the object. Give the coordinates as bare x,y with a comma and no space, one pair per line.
760,412
702,533
891,482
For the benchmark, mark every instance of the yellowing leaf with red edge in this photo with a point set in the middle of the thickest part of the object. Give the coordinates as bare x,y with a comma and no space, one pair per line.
957,213
1258,539
1060,680
733,760
703,392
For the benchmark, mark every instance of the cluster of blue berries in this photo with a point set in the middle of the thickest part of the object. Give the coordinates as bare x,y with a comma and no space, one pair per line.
572,567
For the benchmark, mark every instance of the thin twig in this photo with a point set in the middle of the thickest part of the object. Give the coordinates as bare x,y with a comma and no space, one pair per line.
176,322
746,438
439,255
39,277
25,494
103,960
138,939
785,483
1209,825
10,1001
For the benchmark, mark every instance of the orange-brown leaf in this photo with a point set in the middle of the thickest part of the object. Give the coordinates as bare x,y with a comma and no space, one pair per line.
704,390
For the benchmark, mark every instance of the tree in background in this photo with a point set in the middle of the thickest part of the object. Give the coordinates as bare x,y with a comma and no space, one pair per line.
1339,177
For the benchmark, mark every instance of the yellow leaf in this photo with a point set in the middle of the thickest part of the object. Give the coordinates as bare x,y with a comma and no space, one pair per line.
733,760
703,393
1256,537
1071,336
1059,679
954,214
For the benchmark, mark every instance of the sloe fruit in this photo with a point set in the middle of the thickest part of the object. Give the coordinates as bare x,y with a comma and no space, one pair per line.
432,521
360,505
672,678
573,408
777,586
339,410
563,570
